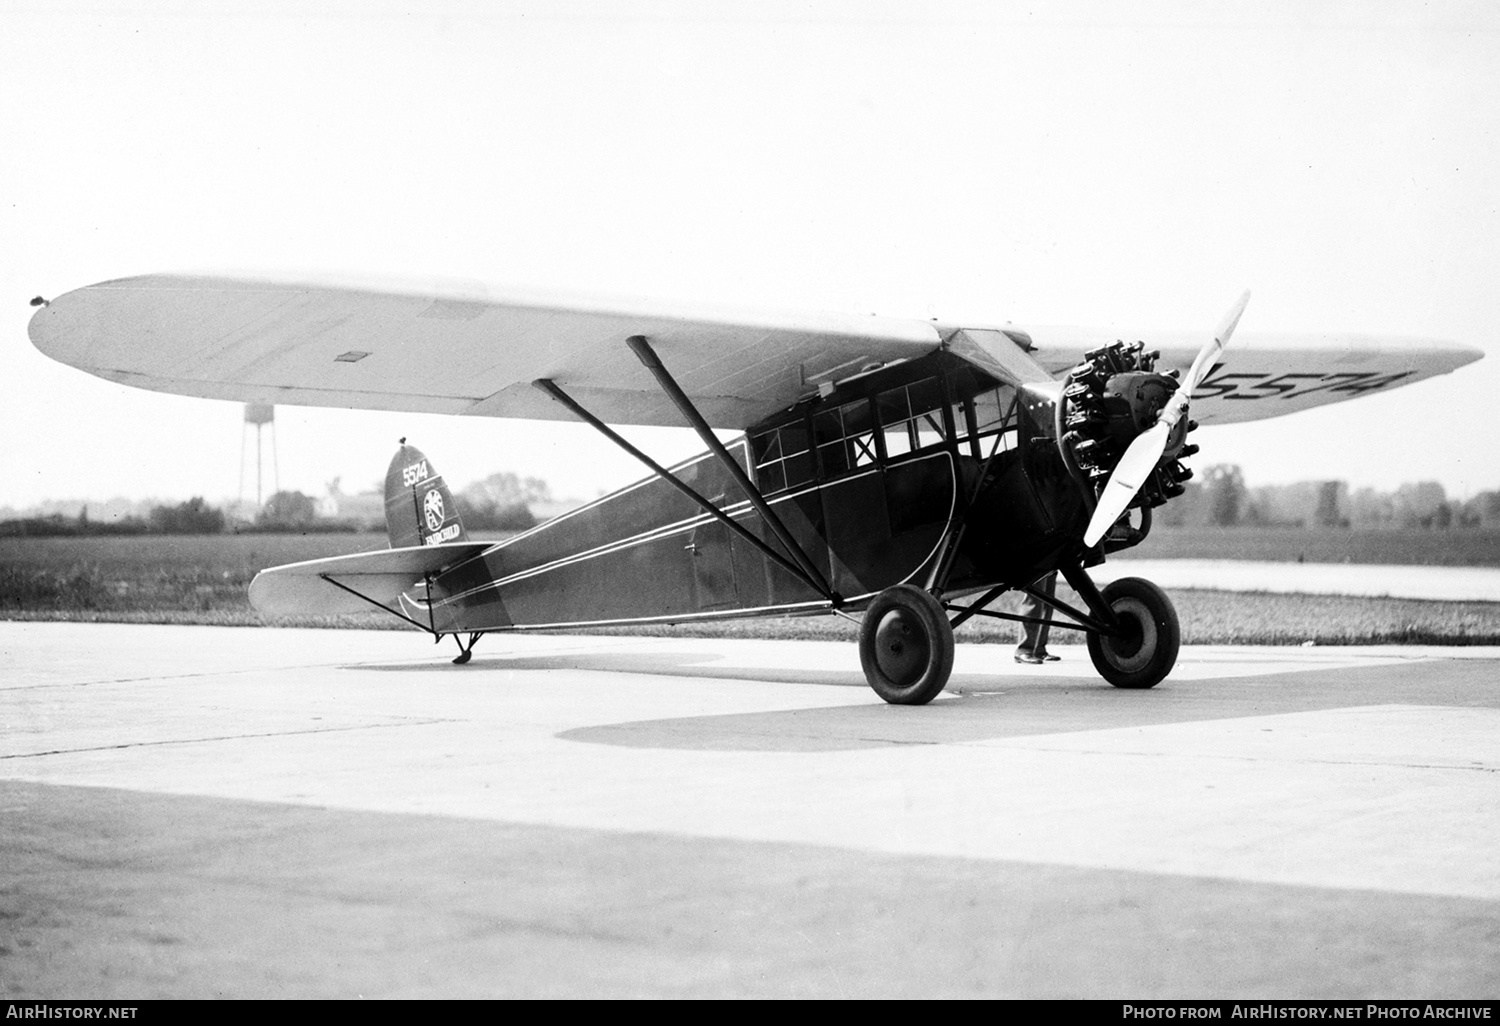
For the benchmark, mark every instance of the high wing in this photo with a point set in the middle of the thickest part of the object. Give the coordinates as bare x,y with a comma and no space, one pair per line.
469,350
368,578
454,349
1268,374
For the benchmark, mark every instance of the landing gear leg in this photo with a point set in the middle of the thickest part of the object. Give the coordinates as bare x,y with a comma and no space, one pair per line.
466,652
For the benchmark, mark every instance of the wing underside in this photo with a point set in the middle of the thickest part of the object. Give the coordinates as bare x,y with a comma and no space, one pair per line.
455,350
468,350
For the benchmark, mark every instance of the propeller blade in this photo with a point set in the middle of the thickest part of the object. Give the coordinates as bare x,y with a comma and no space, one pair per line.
1128,476
1140,459
1209,353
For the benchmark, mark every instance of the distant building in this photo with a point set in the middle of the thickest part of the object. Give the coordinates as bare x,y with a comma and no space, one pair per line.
367,509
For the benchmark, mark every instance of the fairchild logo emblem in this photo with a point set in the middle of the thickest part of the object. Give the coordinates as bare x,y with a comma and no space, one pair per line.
432,509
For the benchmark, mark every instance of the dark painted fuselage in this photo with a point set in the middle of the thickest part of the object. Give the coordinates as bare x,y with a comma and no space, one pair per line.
924,469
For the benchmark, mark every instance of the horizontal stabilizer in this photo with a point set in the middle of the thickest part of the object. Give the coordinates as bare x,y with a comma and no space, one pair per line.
307,589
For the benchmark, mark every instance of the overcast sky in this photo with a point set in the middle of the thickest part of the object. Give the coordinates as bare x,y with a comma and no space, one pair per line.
1075,163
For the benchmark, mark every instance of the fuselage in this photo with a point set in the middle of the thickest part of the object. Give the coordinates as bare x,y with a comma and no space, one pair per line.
892,476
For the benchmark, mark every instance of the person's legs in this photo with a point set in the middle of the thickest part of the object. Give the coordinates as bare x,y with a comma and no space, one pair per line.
1033,647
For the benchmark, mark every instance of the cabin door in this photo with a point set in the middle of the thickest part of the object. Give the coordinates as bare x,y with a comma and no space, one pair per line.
713,566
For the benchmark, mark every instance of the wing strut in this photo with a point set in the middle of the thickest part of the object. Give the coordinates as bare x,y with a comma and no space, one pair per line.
552,389
647,356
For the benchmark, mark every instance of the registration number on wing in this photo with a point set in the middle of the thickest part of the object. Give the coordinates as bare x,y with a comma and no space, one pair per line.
1252,385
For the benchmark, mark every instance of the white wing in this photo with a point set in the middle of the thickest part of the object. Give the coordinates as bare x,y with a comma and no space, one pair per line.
1268,375
459,350
465,349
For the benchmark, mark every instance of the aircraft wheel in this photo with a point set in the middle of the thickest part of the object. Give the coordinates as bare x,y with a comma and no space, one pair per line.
1147,651
906,646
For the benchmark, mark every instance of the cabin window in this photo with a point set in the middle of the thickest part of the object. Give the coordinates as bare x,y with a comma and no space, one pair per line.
912,417
845,438
783,458
895,422
989,411
993,422
962,429
927,402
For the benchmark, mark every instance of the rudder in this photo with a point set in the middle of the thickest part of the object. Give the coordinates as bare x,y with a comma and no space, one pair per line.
419,507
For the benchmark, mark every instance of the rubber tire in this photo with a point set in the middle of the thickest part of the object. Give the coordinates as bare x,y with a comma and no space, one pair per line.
906,646
1143,658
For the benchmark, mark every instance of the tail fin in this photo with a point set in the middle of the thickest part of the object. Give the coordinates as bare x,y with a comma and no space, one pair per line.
419,508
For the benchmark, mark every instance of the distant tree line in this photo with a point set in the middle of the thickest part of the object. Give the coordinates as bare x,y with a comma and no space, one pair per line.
284,511
191,517
1220,497
498,503
502,502
492,516
293,512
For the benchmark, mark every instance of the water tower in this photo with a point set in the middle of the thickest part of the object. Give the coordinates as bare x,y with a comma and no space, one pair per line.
261,415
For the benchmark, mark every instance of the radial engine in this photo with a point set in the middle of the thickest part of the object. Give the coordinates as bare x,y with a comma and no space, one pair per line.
1109,399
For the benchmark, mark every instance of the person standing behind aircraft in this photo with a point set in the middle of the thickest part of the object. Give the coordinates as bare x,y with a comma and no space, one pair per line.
1033,647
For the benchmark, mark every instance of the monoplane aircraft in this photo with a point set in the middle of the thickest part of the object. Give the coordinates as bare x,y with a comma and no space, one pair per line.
905,473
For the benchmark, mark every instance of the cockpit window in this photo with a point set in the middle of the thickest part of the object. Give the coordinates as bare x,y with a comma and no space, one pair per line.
844,437
990,409
988,421
912,417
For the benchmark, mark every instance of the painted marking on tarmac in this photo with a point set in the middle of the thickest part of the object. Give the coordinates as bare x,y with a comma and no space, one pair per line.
212,738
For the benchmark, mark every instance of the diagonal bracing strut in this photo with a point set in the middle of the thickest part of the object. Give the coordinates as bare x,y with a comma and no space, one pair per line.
643,351
555,391
428,627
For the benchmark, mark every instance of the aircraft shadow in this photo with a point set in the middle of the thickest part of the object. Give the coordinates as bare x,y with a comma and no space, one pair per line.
993,707
1027,707
669,664
677,664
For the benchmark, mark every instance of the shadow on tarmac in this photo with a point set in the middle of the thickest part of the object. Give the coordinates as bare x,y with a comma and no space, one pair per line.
667,664
1031,706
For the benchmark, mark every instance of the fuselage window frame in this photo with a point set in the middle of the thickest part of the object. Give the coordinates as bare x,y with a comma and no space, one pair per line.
783,457
911,422
834,439
1000,429
844,437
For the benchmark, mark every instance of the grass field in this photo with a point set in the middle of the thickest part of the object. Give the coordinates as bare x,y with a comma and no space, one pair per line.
154,579
1468,547
151,573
